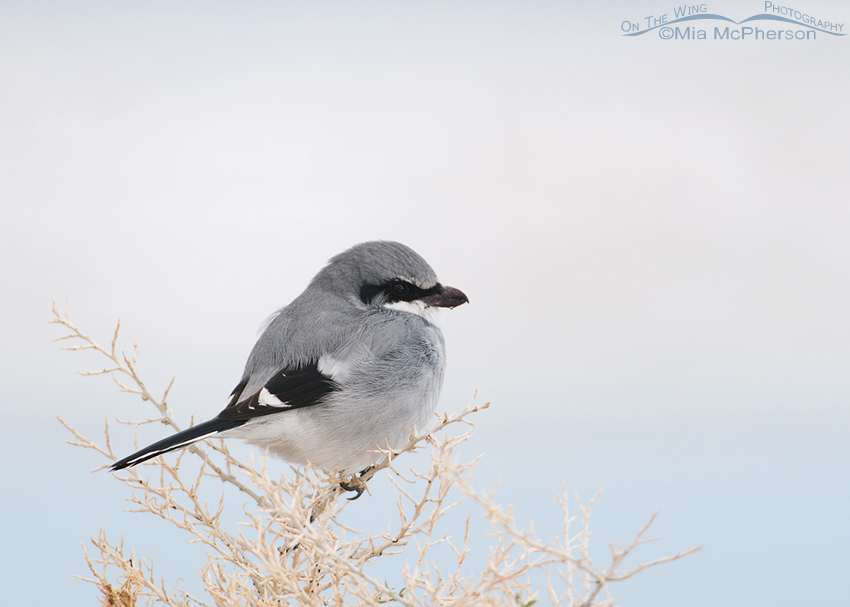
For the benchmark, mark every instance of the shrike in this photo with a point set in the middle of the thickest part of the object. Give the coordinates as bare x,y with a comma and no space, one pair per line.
348,368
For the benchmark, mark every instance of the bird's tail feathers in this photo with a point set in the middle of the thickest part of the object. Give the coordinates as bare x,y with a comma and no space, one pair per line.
178,441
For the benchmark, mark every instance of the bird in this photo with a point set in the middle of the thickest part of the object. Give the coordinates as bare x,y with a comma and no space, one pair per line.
349,368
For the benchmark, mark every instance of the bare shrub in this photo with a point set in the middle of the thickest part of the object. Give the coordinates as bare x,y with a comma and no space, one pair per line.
291,548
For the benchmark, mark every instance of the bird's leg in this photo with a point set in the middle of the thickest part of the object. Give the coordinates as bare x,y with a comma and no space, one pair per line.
353,484
357,482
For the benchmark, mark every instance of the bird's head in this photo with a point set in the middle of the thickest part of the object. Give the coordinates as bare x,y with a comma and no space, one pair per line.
388,274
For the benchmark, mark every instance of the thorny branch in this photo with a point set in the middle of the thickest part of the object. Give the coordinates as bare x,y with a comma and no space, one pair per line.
125,368
292,549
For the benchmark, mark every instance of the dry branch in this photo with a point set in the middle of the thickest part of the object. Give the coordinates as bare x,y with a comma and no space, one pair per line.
292,549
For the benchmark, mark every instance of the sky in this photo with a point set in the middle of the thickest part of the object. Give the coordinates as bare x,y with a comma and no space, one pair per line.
652,234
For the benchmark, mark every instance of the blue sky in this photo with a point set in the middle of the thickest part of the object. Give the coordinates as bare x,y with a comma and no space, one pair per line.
652,233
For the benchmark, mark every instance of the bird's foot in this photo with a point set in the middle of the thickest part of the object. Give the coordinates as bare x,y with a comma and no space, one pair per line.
357,482
367,473
353,484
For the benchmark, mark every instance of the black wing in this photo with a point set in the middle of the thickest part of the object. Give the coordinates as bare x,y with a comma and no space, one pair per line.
289,388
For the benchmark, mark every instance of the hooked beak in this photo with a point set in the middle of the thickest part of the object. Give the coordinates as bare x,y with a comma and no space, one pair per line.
446,297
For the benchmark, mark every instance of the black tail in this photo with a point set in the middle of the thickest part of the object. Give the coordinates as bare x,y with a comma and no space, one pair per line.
178,441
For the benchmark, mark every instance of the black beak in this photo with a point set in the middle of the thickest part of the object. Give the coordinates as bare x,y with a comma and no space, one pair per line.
446,297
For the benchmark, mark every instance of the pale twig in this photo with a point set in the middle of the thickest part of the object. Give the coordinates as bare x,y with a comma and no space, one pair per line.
292,549
126,365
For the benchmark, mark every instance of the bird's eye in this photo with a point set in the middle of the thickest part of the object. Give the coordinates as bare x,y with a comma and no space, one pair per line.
400,288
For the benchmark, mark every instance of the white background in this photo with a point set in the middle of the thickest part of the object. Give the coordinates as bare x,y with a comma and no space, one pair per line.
653,236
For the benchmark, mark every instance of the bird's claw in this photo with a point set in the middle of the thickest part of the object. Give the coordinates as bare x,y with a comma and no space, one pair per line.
357,485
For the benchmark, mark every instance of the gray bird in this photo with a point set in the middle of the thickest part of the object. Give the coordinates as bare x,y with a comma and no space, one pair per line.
351,366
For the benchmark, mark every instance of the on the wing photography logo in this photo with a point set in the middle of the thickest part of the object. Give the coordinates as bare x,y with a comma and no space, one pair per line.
780,23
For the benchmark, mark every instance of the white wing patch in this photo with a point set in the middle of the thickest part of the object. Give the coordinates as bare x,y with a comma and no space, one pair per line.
268,399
